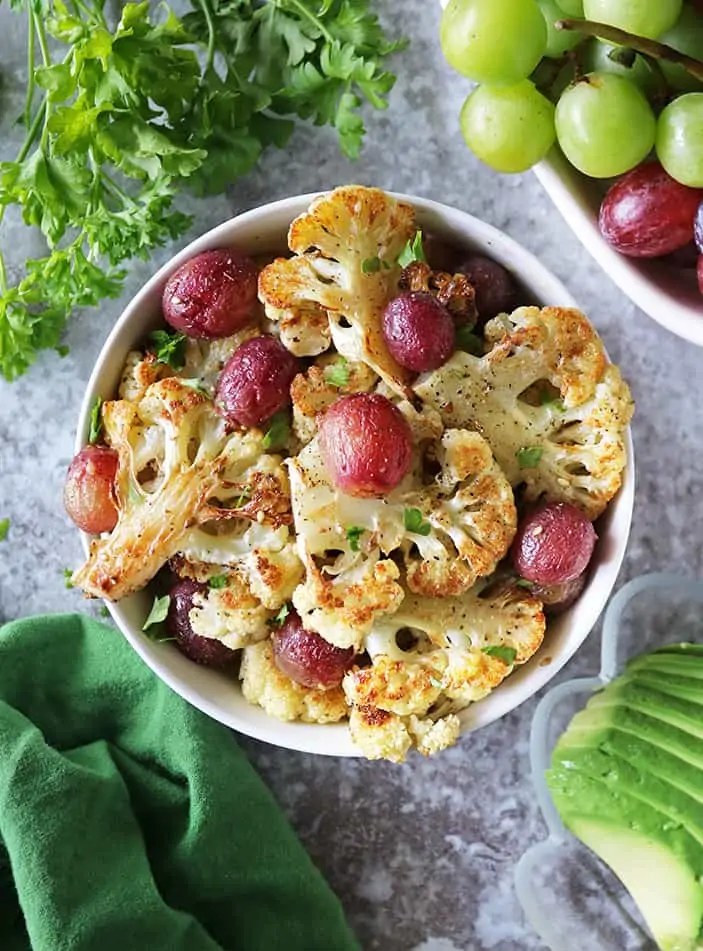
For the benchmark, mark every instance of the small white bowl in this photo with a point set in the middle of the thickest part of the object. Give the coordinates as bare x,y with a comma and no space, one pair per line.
264,230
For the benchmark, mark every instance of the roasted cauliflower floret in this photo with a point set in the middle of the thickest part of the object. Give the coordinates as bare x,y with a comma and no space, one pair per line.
382,735
265,685
320,386
230,614
346,247
570,449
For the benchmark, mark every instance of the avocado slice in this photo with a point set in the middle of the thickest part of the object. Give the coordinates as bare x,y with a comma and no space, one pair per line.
684,714
676,664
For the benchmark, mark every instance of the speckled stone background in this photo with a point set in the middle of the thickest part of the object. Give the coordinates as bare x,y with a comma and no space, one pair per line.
422,856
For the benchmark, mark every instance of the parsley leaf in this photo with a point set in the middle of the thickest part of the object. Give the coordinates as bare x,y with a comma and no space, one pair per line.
278,433
371,265
337,374
413,251
159,610
354,533
169,348
96,421
4,529
415,523
218,581
502,652
524,583
67,575
529,456
104,612
466,339
278,619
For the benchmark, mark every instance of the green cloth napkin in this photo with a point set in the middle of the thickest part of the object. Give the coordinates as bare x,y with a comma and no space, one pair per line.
130,821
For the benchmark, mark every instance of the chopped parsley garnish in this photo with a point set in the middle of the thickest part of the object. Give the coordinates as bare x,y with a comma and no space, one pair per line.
96,421
244,494
4,529
67,575
529,456
169,348
371,265
218,581
196,385
279,618
547,398
466,339
159,610
524,583
337,374
415,523
354,533
134,494
413,251
278,433
502,652
104,612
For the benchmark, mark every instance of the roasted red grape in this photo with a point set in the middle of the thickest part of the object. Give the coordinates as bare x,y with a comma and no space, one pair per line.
203,650
553,544
419,331
89,491
307,658
494,286
255,382
212,295
647,214
366,444
558,597
698,228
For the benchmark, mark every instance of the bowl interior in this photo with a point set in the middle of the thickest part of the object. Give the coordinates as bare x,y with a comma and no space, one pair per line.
263,231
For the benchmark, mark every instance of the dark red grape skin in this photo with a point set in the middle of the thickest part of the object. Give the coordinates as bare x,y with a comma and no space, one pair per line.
553,544
440,255
366,444
419,331
203,650
255,382
307,658
698,228
211,295
700,273
494,286
556,598
647,214
89,490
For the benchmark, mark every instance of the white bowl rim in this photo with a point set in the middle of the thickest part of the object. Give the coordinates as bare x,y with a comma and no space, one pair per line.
334,739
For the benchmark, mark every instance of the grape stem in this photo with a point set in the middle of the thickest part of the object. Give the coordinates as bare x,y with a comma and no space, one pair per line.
639,43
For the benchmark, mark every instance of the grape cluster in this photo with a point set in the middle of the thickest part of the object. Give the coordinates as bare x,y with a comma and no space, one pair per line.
615,83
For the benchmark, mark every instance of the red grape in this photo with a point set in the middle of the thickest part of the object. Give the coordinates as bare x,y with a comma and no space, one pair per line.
366,444
700,273
698,228
553,544
255,382
212,295
494,286
419,331
647,214
203,650
307,658
558,597
89,491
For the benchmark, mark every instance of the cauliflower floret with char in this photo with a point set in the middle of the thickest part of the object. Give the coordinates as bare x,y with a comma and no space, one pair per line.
346,247
230,614
572,449
382,735
264,684
313,392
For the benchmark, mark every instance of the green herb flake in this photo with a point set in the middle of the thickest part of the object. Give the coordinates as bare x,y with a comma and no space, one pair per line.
502,652
524,583
337,374
278,433
278,619
413,251
96,421
529,456
67,575
196,385
104,612
169,348
415,523
354,533
4,529
554,402
466,339
371,265
218,581
159,610
244,493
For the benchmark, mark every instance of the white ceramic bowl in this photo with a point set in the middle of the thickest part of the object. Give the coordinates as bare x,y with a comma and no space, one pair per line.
264,230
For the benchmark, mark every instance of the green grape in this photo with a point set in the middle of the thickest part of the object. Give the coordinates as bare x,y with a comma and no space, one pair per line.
605,125
643,17
558,41
510,128
493,41
680,139
597,59
687,37
572,8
